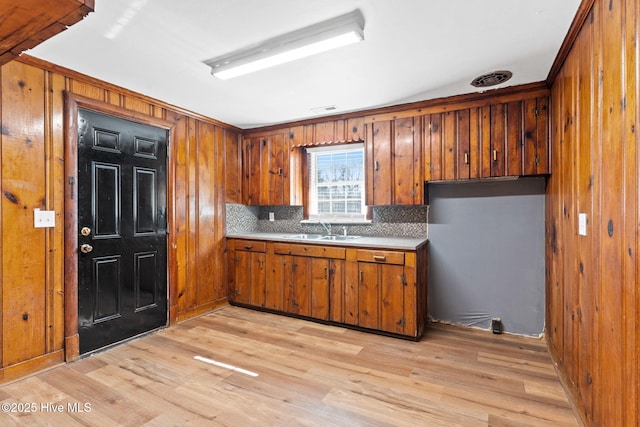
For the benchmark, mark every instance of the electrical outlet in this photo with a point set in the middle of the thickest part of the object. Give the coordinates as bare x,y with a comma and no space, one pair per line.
496,325
582,224
272,216
44,219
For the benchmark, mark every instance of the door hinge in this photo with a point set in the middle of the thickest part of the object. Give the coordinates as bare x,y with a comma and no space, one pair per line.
403,278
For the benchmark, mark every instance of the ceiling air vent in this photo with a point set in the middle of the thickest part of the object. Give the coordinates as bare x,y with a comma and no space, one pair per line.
491,79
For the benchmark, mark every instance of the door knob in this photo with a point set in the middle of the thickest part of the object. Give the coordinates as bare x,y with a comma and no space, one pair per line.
86,248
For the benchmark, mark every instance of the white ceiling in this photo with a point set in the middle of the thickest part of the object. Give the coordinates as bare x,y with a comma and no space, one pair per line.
413,50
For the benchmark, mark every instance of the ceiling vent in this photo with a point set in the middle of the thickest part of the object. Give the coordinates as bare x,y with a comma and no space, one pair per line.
491,79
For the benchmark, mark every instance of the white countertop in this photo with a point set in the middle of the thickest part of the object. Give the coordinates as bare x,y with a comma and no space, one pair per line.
404,243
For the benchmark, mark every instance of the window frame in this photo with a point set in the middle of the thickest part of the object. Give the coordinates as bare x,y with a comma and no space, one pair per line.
311,206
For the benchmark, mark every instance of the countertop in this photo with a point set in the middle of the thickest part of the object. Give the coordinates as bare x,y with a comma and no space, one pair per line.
404,243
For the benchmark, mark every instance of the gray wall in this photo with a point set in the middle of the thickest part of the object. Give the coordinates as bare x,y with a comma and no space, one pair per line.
486,254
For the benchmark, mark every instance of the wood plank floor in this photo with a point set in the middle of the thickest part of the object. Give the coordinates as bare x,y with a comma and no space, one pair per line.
239,367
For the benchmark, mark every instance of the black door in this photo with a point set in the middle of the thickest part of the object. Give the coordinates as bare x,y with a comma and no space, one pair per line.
122,273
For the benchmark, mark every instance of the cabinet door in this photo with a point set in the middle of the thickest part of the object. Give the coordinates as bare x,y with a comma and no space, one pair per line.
514,138
368,295
251,167
320,279
233,167
276,271
275,189
407,162
336,290
242,277
351,287
257,279
449,162
297,286
463,144
432,147
392,284
378,164
536,139
496,141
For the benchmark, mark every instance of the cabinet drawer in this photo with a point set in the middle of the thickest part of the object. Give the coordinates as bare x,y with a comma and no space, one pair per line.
311,251
250,245
386,257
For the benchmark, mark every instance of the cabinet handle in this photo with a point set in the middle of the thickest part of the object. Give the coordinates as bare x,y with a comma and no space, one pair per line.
379,257
495,155
466,158
280,171
248,246
361,277
375,165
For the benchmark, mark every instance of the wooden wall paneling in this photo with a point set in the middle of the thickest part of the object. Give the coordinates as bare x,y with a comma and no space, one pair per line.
631,122
55,201
285,171
449,166
612,226
219,215
514,139
206,242
340,131
584,181
251,169
463,144
193,224
530,133
23,248
89,90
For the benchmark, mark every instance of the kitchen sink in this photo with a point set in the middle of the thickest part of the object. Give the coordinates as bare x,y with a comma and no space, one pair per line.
303,236
338,237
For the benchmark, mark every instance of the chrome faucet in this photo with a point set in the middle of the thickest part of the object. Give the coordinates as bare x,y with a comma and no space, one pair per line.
327,227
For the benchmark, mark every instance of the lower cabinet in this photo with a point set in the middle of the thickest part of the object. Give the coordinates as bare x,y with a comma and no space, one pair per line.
380,290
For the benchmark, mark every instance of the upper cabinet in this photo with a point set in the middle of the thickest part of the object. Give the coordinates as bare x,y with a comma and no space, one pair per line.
496,140
27,23
393,162
266,170
233,167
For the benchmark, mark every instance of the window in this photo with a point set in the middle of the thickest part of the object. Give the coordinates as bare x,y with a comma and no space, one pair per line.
336,178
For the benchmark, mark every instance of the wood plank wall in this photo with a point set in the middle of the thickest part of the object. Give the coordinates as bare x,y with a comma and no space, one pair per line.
593,300
32,176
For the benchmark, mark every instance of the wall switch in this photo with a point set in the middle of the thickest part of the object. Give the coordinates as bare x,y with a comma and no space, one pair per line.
582,224
272,216
44,219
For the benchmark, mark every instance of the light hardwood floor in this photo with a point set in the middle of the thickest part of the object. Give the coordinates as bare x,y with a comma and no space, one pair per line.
306,374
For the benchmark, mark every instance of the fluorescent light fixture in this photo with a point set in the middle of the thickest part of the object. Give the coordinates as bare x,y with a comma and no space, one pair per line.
321,37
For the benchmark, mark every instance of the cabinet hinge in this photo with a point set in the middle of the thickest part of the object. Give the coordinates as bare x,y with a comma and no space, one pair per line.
235,292
403,277
536,112
537,160
401,322
429,126
413,192
236,259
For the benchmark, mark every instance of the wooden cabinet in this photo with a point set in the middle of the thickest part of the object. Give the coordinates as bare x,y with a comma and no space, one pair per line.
497,140
382,290
232,167
27,23
266,170
387,289
394,162
247,272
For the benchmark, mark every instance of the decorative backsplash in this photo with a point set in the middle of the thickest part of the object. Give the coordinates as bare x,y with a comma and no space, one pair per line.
388,221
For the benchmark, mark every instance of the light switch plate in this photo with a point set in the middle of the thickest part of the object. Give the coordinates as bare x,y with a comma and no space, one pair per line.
582,224
44,219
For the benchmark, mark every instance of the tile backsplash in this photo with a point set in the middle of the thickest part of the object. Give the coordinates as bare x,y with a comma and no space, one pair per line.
387,221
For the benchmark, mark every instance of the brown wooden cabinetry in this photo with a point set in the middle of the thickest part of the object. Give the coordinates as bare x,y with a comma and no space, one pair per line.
497,140
247,272
266,170
387,289
394,162
382,290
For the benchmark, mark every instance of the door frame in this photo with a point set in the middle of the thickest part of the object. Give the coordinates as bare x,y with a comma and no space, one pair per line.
72,103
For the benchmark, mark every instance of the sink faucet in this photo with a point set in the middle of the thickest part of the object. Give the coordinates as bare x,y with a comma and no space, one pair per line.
327,227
